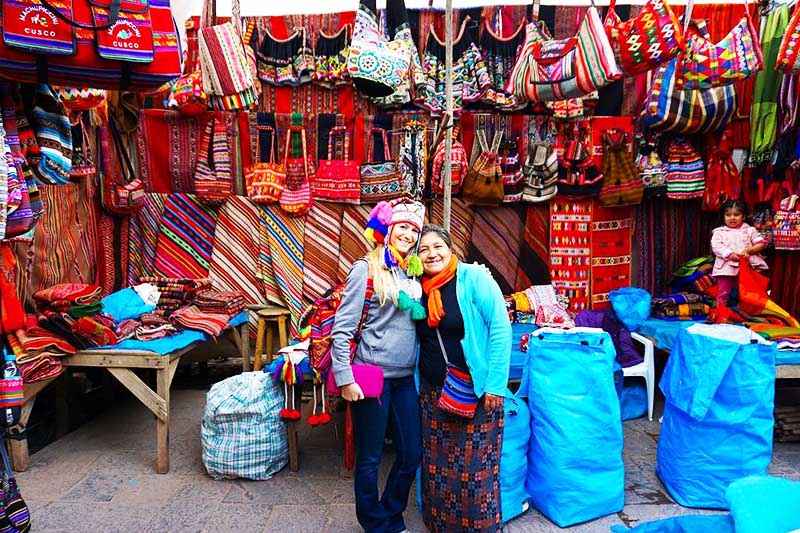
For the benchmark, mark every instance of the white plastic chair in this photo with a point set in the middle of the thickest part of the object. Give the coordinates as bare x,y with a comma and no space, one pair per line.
645,369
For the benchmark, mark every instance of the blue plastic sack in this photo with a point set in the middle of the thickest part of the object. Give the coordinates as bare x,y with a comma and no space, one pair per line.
514,457
764,503
633,403
575,469
631,305
683,524
125,304
719,385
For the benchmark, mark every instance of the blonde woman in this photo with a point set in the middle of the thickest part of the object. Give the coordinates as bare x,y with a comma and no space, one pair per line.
387,340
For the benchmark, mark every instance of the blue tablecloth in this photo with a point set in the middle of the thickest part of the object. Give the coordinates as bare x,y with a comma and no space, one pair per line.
665,332
172,343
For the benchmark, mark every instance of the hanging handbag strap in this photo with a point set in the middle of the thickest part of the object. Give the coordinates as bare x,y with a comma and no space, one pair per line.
339,130
364,310
122,153
370,146
302,130
6,462
263,130
444,352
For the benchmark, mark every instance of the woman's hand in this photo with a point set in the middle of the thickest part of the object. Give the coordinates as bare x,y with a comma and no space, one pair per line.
492,402
352,392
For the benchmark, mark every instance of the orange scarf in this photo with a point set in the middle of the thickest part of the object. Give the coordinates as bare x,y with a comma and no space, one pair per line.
431,286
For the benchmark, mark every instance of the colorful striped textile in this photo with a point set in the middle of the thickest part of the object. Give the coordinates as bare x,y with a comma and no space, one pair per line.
321,250
56,238
286,252
191,317
685,171
40,369
612,239
496,240
570,250
265,271
185,238
462,219
112,258
352,243
144,237
88,214
234,258
534,259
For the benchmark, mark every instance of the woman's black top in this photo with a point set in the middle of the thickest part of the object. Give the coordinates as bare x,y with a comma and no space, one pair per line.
432,367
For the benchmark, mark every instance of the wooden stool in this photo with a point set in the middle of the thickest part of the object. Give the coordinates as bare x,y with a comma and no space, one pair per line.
267,317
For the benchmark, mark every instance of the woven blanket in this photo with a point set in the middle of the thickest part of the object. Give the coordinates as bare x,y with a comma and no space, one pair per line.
112,262
34,339
185,238
286,239
191,317
234,259
352,243
683,311
67,294
321,250
534,260
87,194
570,250
144,237
462,219
676,298
265,271
41,369
496,239
612,236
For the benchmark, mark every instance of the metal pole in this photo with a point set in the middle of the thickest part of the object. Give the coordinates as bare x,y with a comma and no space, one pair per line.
448,132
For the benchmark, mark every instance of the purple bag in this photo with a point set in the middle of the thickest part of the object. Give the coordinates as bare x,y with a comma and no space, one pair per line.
368,377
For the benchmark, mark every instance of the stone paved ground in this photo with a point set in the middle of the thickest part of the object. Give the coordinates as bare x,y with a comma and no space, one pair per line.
100,478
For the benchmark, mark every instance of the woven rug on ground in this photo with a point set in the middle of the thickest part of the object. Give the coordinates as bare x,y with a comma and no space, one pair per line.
352,244
56,239
234,257
612,235
462,219
496,239
185,238
286,252
570,250
144,237
321,249
534,259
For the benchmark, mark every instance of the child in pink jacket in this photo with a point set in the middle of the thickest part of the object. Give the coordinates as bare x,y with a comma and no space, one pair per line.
735,241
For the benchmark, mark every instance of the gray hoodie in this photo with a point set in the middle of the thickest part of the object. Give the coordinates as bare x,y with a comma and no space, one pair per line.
388,338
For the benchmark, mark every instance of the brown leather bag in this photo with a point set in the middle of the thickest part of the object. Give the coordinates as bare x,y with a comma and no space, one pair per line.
483,185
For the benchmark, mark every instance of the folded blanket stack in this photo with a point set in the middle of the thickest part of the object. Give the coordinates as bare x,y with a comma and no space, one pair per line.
540,305
681,306
176,292
73,311
37,352
229,303
191,317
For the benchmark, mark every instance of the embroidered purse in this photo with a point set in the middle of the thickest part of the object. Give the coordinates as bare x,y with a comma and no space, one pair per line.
19,217
671,109
788,60
376,65
622,182
540,167
380,180
338,180
652,169
786,230
552,69
124,198
411,160
107,44
459,165
704,64
458,392
647,41
685,170
83,99
484,182
52,162
723,181
265,181
513,178
297,198
298,169
187,95
577,173
213,181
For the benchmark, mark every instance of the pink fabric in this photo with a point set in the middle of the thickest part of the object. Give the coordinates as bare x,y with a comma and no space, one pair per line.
725,285
725,242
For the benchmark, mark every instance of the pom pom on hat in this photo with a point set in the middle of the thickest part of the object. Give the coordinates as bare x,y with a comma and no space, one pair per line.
378,223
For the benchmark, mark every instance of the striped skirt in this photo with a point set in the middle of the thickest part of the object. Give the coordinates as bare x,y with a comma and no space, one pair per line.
460,467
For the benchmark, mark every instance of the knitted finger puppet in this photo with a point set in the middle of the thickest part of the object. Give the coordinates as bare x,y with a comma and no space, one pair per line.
382,219
288,370
324,417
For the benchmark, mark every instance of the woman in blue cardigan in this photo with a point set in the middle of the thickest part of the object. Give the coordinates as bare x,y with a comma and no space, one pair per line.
467,330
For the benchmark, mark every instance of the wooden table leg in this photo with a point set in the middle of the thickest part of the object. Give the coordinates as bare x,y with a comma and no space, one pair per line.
270,345
163,379
245,336
262,324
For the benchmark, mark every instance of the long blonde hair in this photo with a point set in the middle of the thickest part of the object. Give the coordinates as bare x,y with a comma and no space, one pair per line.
383,282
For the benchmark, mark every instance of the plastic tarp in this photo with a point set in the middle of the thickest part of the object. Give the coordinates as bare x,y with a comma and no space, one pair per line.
575,469
719,385
633,402
125,304
514,457
764,503
631,305
242,432
683,524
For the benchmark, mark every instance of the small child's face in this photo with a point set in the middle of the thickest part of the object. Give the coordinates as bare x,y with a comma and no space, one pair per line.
734,217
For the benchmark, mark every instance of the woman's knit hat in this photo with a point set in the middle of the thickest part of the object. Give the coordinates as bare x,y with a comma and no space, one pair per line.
386,214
